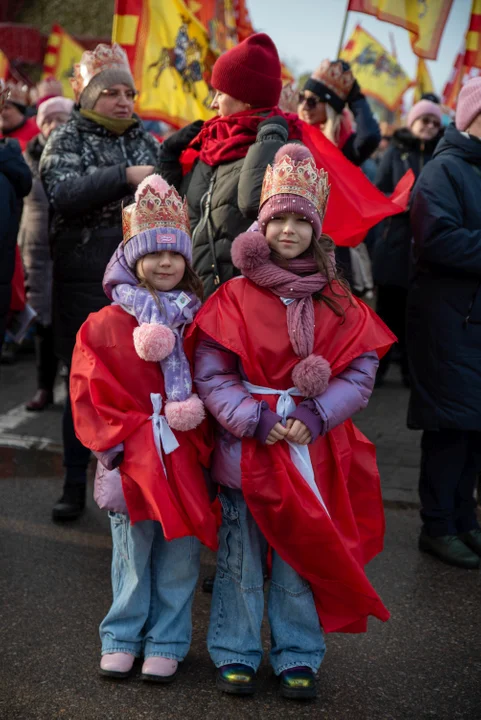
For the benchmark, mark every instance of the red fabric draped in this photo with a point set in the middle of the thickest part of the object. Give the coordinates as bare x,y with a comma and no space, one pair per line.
329,552
18,297
110,389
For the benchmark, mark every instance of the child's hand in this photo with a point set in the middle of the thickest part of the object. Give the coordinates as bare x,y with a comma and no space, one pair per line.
278,432
297,432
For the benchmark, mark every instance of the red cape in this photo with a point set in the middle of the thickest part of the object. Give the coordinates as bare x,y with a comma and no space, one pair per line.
110,388
329,552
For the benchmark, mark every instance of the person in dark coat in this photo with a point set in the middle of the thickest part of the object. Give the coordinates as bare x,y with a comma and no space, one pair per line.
89,167
327,94
231,153
33,238
411,148
444,336
15,184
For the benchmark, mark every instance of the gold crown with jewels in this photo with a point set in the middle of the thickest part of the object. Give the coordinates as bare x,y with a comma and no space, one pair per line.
153,210
301,178
93,62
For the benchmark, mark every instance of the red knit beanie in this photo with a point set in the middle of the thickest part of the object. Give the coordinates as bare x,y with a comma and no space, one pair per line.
469,104
250,72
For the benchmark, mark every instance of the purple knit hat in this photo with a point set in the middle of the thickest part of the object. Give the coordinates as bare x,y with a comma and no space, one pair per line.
469,104
157,221
291,202
421,108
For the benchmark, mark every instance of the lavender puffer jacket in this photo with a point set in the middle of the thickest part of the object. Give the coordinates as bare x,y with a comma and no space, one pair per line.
218,377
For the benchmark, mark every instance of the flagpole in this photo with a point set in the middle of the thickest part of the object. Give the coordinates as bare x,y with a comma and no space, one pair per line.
343,31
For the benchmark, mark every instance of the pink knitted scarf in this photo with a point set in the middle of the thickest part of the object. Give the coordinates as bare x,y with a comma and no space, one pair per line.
291,283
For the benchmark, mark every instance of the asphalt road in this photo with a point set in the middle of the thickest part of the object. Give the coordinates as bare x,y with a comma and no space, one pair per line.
425,663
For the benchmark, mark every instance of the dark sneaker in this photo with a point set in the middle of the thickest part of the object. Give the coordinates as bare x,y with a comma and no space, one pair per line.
472,539
236,679
450,549
71,505
298,683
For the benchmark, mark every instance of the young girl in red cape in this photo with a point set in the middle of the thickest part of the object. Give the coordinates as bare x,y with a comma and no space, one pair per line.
133,406
284,356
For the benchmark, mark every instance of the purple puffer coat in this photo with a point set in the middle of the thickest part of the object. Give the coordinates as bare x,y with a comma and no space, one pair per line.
218,377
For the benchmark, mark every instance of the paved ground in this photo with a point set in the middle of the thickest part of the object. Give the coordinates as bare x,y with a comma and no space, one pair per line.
54,587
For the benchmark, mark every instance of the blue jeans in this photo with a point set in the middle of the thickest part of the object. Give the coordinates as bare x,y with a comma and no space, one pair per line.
238,599
153,584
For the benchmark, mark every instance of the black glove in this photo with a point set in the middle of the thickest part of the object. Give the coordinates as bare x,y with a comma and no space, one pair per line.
178,141
274,128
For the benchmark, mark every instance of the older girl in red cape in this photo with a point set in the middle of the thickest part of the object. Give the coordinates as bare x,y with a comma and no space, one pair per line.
285,356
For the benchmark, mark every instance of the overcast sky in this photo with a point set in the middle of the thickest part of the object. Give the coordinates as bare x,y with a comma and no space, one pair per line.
307,31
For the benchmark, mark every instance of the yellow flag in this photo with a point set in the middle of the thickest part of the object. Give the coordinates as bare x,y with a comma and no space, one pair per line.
169,53
376,70
4,66
425,19
61,55
424,84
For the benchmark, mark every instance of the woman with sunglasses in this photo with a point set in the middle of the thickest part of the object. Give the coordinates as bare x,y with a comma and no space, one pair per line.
411,148
324,102
90,167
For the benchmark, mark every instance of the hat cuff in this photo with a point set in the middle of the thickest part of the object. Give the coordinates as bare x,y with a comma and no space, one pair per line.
285,203
150,241
102,81
325,94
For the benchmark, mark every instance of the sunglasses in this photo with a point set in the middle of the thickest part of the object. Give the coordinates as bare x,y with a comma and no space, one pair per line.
112,93
429,121
310,102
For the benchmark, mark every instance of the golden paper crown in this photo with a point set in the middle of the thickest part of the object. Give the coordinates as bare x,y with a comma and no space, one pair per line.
94,62
153,210
301,178
334,77
4,93
18,92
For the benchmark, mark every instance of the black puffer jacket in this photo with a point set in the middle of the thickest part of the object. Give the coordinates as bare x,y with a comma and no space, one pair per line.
444,300
224,201
83,169
362,143
15,184
392,250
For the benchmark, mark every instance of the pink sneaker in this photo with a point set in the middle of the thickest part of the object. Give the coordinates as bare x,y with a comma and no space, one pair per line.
159,669
117,665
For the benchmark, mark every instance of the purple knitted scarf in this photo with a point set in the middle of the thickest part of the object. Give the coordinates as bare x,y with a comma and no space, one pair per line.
290,283
177,309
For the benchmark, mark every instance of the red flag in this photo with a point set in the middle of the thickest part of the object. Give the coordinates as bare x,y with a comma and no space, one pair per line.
355,204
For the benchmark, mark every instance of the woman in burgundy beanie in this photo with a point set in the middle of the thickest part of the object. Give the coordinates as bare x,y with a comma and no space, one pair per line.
231,153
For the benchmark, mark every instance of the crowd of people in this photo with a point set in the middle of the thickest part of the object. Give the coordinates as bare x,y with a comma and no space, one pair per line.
215,345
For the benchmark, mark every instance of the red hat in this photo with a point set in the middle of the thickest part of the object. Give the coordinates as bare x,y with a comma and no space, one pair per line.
250,72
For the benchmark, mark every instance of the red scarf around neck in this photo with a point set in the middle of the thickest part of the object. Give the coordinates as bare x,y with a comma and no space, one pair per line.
226,139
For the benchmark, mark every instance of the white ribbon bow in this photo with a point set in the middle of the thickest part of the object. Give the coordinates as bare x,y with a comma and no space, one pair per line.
164,438
300,455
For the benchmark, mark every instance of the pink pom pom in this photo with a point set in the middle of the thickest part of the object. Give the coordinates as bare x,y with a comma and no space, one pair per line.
249,250
295,151
156,182
153,342
186,414
311,375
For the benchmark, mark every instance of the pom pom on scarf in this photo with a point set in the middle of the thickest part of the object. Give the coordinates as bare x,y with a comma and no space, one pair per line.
249,250
153,342
185,415
311,375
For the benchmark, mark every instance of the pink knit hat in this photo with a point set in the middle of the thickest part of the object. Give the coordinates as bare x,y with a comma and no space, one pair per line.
469,104
51,106
421,108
